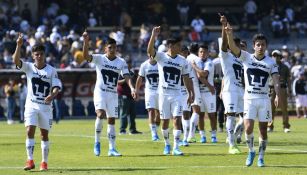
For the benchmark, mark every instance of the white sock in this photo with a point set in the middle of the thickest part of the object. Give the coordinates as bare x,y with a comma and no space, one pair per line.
230,122
186,128
98,128
213,133
250,142
262,148
165,135
202,133
239,127
45,150
176,134
111,136
193,123
30,148
153,128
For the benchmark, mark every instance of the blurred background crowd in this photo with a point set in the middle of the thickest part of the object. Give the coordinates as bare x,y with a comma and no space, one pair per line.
59,24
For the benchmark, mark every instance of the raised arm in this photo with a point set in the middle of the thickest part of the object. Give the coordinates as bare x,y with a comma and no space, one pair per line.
86,39
16,55
223,21
232,46
150,48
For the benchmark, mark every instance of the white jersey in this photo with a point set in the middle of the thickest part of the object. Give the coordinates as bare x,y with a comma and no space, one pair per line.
108,72
184,90
194,58
40,83
207,66
151,75
170,72
233,72
256,75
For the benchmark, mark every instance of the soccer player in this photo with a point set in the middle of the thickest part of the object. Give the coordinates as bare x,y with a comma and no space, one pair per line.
149,72
108,69
232,92
44,85
193,58
186,108
207,91
171,67
257,69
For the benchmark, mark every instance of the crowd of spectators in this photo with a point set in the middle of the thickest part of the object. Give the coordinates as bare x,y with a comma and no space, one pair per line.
60,25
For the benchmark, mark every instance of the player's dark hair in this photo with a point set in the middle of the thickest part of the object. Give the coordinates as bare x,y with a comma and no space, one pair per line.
194,48
110,41
204,47
173,40
38,47
258,37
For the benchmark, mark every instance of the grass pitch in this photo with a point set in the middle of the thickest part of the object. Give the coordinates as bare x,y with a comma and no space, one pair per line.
71,152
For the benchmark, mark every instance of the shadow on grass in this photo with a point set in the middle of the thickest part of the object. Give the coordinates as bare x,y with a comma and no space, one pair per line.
292,143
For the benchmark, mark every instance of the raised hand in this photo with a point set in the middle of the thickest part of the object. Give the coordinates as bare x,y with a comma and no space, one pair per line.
228,29
156,31
85,35
223,19
19,40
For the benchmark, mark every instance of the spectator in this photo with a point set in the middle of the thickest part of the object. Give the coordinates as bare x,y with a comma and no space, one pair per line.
194,36
183,9
299,92
23,90
250,8
10,90
277,26
198,24
92,22
125,22
26,13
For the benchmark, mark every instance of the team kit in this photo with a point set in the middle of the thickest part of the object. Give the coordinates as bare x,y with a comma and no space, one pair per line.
179,88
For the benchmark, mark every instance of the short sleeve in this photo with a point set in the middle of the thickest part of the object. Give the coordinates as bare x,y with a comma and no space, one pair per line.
186,68
125,70
159,56
244,55
142,70
56,82
224,55
25,66
96,58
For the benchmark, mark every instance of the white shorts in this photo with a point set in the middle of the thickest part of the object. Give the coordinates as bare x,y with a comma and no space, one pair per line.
209,102
39,118
151,100
108,102
184,103
258,108
301,101
233,102
197,97
169,106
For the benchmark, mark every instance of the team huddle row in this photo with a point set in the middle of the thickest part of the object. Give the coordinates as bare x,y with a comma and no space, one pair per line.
176,81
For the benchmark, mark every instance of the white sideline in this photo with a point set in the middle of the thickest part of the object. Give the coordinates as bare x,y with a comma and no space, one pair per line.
145,168
139,140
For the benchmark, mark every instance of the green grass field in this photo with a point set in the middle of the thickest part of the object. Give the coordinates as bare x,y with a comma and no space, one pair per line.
71,152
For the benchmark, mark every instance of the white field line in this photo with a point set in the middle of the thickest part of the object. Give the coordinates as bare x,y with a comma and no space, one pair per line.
146,168
140,140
